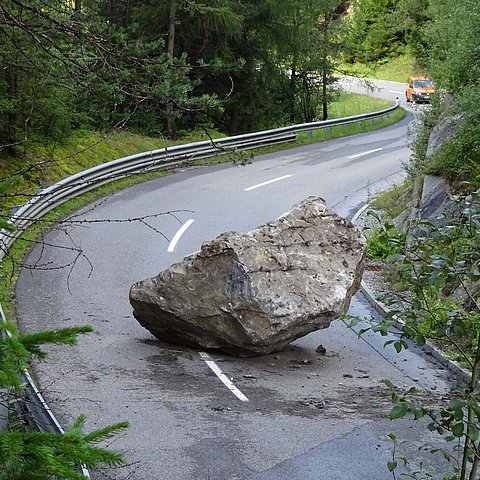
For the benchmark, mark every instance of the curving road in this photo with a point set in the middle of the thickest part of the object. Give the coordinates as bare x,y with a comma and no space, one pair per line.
297,414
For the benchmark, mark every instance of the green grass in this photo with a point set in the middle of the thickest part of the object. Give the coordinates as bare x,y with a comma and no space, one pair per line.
396,70
353,104
81,151
350,104
393,202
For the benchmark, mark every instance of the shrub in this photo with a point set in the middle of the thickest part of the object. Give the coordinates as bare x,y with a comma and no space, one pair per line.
383,239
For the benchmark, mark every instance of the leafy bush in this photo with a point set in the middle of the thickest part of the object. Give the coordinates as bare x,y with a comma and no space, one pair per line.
459,158
441,274
383,239
452,59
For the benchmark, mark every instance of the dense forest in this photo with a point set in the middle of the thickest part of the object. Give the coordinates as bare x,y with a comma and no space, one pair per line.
161,68
164,68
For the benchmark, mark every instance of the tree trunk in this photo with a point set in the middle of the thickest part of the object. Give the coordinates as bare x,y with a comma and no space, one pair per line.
324,93
171,127
234,121
11,117
293,75
113,11
325,68
78,6
127,13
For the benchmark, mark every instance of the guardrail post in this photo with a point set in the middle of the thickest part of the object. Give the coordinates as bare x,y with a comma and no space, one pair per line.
309,133
3,414
13,210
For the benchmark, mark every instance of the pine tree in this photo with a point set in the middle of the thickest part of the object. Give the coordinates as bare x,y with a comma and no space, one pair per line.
32,455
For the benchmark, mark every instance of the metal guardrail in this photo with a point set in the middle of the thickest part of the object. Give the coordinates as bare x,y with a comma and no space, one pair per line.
33,403
92,178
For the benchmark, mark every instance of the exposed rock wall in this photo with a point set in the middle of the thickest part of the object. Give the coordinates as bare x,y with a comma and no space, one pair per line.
430,195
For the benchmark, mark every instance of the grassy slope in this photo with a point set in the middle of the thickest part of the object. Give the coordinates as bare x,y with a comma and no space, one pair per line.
83,150
396,70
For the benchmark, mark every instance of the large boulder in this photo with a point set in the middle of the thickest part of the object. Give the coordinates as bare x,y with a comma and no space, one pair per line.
253,293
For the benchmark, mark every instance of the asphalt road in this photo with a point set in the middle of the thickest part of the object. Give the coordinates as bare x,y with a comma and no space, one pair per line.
297,414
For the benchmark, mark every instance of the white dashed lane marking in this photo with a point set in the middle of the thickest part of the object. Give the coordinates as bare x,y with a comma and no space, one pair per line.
176,238
218,372
266,183
365,153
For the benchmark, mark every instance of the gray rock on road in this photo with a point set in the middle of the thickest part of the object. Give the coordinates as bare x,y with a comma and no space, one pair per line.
253,293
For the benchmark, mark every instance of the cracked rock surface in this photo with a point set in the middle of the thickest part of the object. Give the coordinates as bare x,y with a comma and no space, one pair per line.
253,293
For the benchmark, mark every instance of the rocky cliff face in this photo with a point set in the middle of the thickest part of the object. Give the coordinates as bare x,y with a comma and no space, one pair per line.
431,194
435,204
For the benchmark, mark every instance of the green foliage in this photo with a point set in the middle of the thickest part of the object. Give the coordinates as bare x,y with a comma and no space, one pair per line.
16,349
383,239
384,242
38,99
369,36
450,53
446,260
459,158
441,273
453,59
394,201
132,65
384,29
42,456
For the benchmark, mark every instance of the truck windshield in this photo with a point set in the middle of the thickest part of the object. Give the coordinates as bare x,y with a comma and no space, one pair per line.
423,84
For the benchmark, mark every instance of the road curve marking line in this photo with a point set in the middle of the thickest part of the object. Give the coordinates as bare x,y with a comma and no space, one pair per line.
396,91
176,238
266,183
365,153
218,372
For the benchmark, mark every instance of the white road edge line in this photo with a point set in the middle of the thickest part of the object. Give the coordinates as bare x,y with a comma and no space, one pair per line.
218,372
266,183
396,91
176,238
365,153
